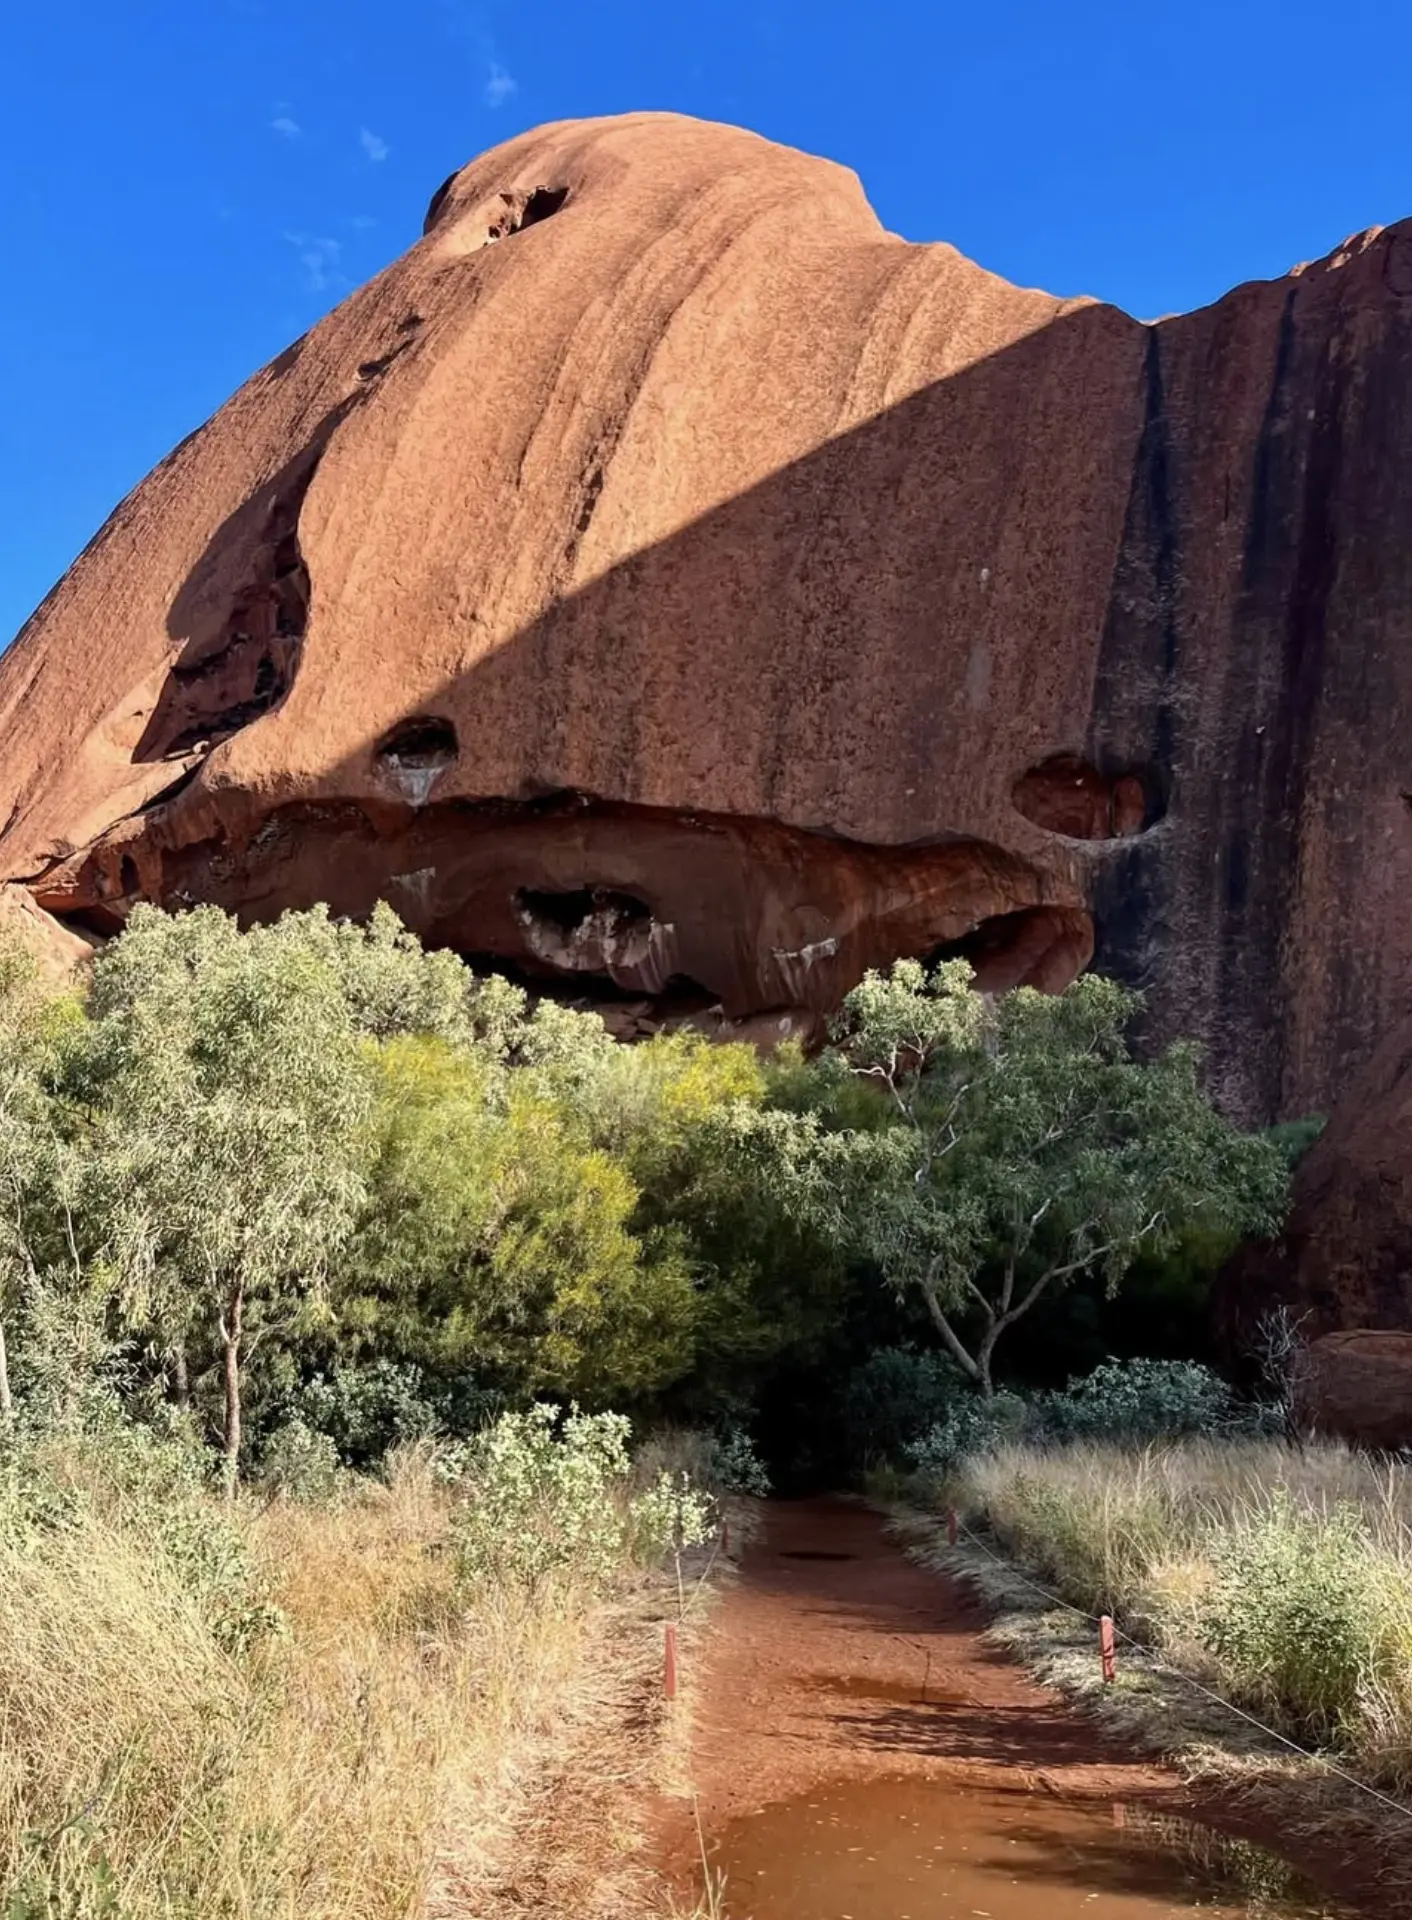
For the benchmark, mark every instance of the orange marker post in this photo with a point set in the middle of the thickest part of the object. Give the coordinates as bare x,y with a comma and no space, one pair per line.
1105,1644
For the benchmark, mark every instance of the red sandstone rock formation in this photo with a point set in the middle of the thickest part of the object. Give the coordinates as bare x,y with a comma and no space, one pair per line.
1345,1258
1358,1386
669,584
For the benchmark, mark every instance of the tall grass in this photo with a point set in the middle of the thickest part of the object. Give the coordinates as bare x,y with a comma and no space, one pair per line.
358,1737
1281,1574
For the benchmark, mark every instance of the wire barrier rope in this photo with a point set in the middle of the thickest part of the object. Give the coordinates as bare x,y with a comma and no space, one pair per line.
1186,1679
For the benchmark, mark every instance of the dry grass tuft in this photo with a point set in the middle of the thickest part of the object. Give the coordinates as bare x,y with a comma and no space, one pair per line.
394,1750
1275,1576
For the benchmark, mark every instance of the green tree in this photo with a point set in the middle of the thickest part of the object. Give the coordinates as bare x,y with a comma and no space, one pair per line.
498,1237
1026,1146
37,1163
231,1092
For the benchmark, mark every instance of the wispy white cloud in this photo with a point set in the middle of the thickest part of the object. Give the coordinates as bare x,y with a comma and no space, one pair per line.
372,144
499,85
290,129
319,257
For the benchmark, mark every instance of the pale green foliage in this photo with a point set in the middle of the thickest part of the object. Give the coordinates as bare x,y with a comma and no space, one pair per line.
670,1515
1140,1400
38,1168
1296,1614
971,1427
299,1462
546,1497
235,1097
1283,1573
1029,1147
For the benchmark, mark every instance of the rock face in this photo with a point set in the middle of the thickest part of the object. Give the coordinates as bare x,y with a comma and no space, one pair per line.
1358,1387
1345,1258
669,584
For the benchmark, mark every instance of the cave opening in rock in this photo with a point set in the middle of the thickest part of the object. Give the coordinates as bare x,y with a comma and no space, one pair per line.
242,669
1068,795
568,911
427,741
1043,947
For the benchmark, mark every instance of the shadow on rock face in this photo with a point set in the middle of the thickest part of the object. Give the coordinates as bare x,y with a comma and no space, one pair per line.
1057,657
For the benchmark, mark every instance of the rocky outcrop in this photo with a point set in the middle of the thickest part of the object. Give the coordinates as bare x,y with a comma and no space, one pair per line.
1357,1386
667,584
1344,1260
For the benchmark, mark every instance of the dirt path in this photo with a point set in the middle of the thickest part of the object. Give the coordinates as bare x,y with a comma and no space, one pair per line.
837,1660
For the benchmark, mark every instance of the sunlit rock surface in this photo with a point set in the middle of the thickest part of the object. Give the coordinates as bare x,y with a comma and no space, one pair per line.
666,584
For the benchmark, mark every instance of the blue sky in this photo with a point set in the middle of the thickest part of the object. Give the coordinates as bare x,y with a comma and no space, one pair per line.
190,183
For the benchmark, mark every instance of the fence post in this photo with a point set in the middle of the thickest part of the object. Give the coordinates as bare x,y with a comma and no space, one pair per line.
1105,1643
669,1677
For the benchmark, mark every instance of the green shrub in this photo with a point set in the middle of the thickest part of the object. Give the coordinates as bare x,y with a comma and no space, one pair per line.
1138,1400
894,1397
367,1410
300,1463
973,1427
545,1497
1294,1614
733,1465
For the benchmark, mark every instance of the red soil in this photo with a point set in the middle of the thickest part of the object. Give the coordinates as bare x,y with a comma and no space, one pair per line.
835,1658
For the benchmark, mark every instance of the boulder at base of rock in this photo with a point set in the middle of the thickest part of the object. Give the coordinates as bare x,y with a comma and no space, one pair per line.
1358,1386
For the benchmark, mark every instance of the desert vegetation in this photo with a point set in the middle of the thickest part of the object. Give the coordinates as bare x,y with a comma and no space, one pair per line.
335,1283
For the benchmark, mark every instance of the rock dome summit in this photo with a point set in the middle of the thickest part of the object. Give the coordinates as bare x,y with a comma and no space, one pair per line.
669,586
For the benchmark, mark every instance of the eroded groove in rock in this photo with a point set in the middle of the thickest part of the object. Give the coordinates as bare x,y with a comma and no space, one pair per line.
223,680
1066,794
712,918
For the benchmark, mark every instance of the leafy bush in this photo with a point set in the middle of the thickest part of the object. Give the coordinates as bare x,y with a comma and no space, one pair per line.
300,1463
364,1411
972,1428
1139,1400
734,1466
1285,1572
895,1397
545,1497
670,1516
1294,1615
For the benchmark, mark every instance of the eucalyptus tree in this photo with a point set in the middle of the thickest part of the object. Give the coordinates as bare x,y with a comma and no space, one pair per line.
1024,1145
232,1090
35,1160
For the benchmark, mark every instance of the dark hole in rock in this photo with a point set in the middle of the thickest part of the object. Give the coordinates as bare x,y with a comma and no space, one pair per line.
1043,947
1065,794
170,791
426,741
416,753
130,879
569,910
98,922
527,210
596,930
